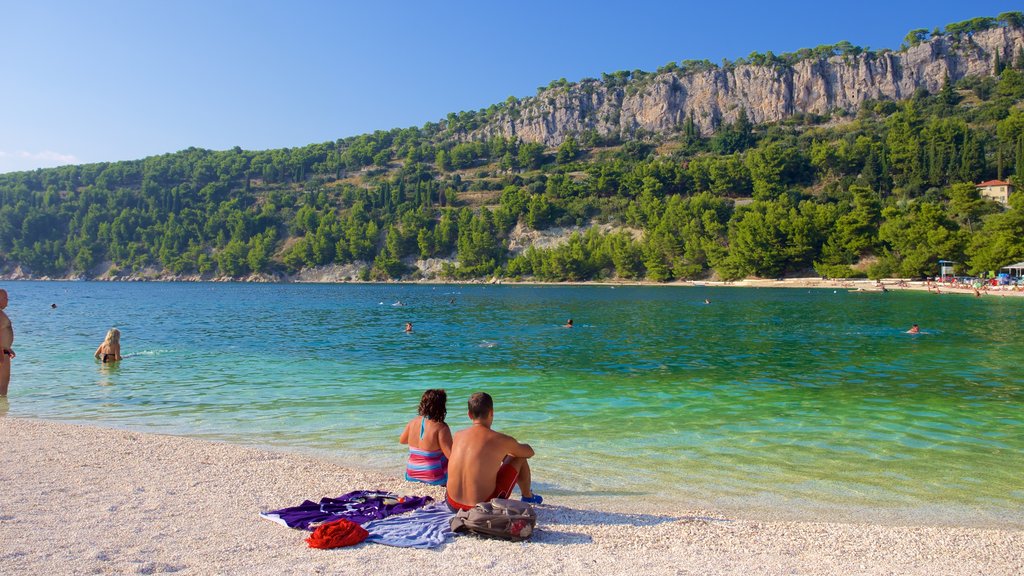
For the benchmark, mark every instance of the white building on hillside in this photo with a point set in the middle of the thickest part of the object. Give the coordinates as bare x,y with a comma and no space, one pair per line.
996,190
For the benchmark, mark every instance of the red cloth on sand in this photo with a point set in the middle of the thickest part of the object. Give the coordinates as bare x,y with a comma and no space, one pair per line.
337,534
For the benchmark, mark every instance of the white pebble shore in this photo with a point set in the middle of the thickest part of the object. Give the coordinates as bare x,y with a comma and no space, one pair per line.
87,500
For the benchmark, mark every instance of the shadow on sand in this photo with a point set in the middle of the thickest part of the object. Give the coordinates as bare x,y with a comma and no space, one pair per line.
566,515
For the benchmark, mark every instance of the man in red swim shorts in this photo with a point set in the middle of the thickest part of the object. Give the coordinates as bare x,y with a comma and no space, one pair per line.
486,464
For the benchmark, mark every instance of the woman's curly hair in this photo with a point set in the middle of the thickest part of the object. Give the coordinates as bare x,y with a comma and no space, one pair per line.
433,405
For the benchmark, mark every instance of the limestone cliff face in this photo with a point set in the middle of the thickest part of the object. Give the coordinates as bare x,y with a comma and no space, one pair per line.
663,102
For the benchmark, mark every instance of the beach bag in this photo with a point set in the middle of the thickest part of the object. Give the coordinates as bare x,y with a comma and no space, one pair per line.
499,518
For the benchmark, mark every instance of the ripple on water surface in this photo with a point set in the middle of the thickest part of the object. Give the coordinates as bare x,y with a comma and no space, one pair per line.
798,403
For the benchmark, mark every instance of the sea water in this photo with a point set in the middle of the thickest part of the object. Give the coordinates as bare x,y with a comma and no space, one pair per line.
803,403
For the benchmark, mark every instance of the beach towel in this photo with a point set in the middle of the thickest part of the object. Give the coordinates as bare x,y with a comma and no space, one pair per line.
427,527
359,506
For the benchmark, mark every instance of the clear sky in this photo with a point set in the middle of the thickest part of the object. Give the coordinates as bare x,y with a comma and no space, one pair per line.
105,80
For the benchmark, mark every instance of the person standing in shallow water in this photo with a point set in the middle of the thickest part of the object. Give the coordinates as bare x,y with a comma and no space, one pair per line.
110,349
6,342
429,439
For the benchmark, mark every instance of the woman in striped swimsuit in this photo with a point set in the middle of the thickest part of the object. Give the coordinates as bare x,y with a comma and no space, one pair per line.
429,440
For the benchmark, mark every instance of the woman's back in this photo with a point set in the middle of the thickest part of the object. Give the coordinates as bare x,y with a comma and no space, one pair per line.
430,444
108,352
424,433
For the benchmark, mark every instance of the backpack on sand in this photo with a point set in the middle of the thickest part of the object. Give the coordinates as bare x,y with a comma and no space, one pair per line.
499,518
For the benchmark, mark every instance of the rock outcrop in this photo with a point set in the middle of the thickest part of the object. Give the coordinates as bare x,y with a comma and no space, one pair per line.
661,103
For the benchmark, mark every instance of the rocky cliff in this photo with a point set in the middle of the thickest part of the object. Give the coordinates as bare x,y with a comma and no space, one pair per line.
661,103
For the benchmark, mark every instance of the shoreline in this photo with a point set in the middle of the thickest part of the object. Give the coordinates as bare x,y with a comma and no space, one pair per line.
857,285
149,503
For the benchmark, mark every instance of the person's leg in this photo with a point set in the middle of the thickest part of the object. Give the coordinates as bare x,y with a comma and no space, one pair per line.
524,479
508,473
522,468
5,374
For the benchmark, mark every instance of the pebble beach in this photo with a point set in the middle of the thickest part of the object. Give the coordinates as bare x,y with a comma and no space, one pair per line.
89,500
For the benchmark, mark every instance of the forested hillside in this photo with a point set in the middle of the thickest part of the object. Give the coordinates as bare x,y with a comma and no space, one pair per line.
886,190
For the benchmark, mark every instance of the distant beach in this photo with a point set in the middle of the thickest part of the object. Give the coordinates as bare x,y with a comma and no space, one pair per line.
80,499
334,274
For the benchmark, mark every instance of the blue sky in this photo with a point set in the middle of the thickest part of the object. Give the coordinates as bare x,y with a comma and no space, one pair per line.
109,80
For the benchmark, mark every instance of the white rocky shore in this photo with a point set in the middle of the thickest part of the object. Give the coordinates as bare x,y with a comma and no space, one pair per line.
83,500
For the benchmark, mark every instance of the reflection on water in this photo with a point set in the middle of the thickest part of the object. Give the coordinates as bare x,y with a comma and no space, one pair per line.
786,400
108,372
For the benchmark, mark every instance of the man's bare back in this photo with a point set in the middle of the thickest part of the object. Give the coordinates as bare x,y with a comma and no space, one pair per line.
477,455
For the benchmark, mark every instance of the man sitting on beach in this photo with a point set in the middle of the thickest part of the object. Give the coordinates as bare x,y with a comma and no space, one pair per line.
485,464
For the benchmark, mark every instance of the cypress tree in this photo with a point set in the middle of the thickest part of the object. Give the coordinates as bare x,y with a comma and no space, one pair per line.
690,128
935,162
1018,169
947,95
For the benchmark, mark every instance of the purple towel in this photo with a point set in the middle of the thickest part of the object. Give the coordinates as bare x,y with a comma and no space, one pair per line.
360,506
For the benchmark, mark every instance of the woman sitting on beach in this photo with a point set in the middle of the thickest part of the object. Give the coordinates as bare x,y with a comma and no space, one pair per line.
429,440
110,349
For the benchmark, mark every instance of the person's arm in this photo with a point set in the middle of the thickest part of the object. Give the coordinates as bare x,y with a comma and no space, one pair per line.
97,353
518,449
5,326
404,438
444,438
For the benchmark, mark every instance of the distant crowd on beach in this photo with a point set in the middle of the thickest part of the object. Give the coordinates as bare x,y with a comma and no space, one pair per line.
978,286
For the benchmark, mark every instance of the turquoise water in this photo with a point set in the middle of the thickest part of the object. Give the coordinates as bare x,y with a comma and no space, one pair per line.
795,402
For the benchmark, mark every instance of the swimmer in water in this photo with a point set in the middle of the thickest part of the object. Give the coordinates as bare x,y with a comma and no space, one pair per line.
706,301
914,330
568,323
110,350
408,327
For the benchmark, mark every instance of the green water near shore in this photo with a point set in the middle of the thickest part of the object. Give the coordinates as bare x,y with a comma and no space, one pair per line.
791,401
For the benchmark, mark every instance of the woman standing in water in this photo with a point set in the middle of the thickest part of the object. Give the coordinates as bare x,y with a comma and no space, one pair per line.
110,349
429,440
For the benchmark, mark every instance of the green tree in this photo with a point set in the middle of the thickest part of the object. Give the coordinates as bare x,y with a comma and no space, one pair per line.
776,166
917,237
1000,241
915,37
567,151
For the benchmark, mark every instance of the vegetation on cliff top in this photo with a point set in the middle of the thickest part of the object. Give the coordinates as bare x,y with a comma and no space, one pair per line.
888,191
